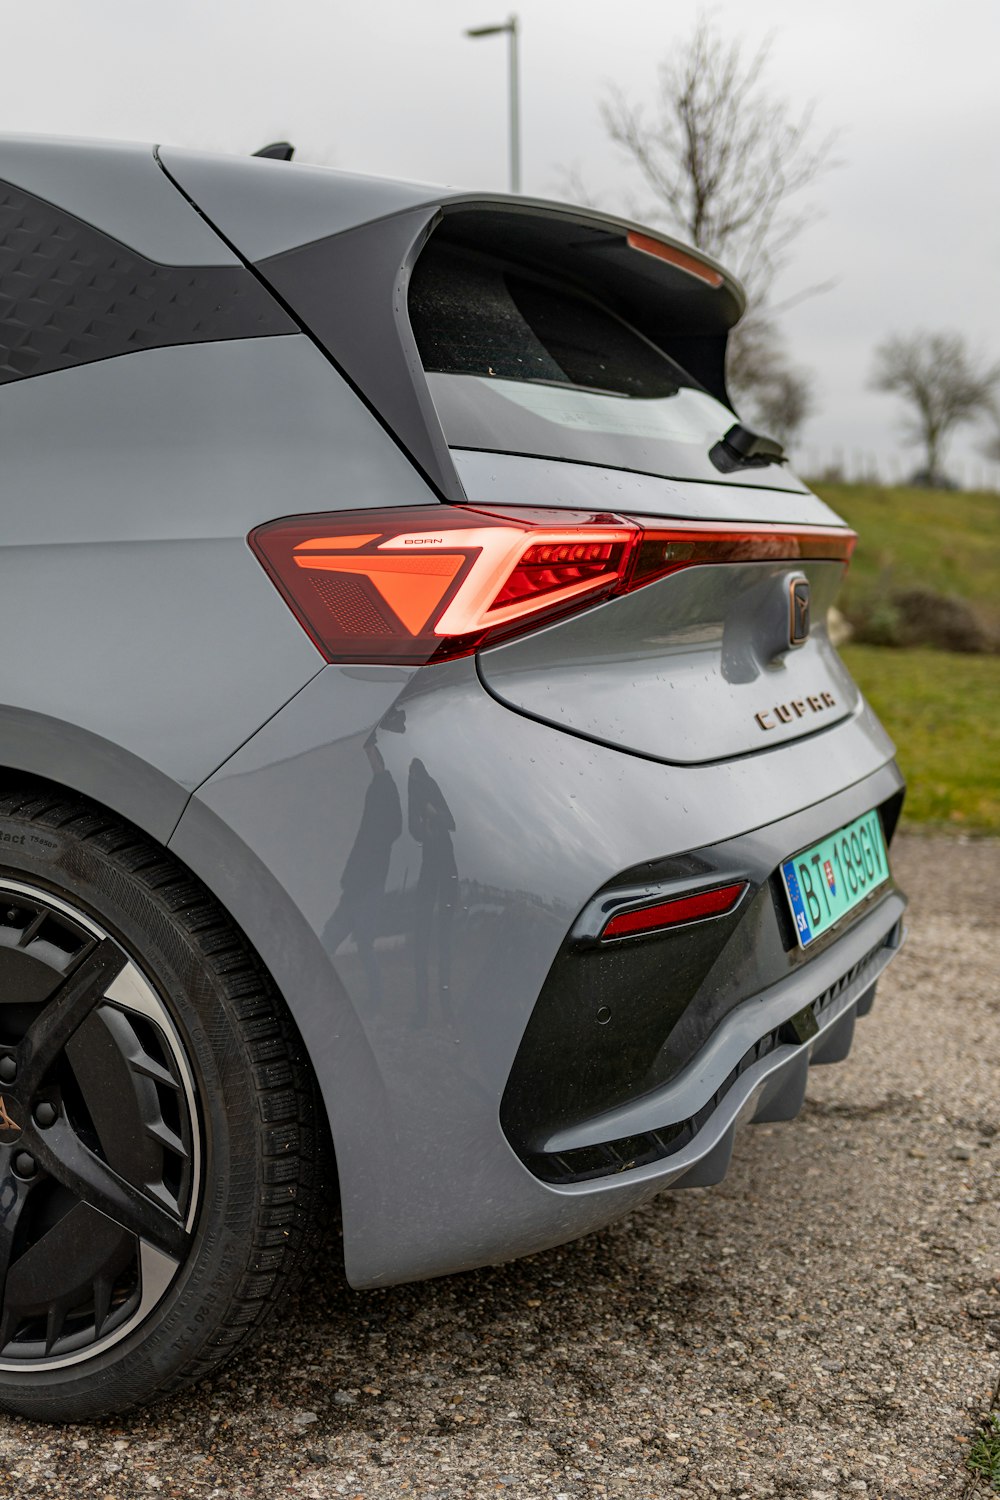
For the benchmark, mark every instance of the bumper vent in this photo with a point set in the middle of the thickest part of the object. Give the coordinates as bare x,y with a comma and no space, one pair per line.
610,1157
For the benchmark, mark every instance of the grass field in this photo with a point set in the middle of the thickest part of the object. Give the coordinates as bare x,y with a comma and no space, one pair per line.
948,542
943,711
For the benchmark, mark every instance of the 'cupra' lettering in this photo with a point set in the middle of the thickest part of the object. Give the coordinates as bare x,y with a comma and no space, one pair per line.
798,708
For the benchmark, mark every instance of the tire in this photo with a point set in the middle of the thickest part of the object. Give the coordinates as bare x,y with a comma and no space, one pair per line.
160,1148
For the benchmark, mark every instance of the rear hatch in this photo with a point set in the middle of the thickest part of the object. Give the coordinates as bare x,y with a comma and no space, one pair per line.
694,668
551,391
540,362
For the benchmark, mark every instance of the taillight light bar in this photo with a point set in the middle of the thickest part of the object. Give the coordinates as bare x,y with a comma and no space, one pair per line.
431,583
683,909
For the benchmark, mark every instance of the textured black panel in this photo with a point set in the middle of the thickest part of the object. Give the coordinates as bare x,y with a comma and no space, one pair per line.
70,295
620,1155
663,995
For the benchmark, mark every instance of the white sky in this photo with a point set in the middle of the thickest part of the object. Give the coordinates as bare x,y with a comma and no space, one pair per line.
911,220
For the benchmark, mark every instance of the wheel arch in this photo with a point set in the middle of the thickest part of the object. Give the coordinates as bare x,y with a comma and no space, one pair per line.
220,871
349,1078
73,759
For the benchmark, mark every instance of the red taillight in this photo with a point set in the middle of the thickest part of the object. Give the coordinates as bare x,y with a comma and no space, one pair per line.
672,913
433,583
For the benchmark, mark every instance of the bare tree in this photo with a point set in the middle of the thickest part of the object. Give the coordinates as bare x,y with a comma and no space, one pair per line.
782,403
724,160
722,155
775,394
942,385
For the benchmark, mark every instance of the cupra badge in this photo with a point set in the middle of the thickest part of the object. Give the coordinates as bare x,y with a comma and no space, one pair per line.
798,616
6,1123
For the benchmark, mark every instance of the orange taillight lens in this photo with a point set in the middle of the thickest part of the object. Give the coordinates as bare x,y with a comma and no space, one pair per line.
429,583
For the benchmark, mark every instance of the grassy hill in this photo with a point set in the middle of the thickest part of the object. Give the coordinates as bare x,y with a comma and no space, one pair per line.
941,708
943,711
931,539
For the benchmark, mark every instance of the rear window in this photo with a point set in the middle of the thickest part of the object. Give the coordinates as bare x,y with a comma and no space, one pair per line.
517,363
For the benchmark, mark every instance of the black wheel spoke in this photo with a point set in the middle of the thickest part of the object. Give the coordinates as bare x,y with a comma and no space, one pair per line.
12,1196
69,1007
65,1157
67,1247
33,928
11,1202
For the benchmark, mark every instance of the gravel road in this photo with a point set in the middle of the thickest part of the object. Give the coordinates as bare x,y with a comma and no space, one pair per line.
824,1324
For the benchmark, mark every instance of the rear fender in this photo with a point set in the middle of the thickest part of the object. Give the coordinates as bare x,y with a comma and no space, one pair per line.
38,746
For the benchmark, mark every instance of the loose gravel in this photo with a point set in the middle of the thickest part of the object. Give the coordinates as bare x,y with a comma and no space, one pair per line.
824,1324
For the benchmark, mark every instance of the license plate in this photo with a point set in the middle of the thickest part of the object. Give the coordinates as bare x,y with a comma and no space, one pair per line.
831,878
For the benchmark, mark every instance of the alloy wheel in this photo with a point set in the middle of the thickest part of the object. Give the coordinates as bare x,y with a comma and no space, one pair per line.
100,1146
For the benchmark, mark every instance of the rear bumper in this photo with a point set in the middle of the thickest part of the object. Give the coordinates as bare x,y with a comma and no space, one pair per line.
413,978
771,1088
754,1067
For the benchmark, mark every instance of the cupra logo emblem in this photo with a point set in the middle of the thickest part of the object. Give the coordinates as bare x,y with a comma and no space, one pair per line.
798,623
6,1123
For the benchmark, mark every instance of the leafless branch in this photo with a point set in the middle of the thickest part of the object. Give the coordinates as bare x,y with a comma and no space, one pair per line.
727,165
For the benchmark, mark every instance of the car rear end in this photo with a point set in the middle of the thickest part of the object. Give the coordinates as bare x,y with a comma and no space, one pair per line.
574,854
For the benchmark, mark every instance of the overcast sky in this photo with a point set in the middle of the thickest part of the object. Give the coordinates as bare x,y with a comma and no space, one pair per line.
911,220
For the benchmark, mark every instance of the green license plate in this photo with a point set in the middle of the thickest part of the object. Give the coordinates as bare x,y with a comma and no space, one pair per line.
831,878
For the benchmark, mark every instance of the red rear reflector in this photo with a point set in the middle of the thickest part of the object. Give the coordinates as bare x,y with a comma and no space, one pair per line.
430,583
672,913
676,257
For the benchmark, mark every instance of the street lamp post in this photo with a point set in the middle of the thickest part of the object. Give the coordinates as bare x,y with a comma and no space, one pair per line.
510,27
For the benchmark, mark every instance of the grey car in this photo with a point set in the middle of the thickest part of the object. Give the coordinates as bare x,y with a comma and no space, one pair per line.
430,794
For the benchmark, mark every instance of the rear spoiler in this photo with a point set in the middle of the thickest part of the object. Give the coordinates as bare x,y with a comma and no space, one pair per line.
348,285
351,291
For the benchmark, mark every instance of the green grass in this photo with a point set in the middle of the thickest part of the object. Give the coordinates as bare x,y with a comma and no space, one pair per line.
922,539
984,1454
943,711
